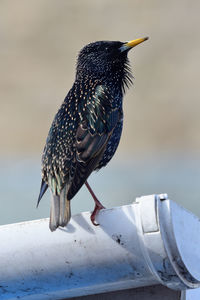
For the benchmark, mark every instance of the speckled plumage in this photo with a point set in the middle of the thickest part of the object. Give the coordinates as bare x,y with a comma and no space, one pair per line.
87,128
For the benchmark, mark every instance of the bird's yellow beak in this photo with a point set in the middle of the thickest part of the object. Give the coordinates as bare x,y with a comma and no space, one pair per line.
133,43
136,42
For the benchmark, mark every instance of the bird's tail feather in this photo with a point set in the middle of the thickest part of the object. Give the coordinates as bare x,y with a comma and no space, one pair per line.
54,214
65,209
60,210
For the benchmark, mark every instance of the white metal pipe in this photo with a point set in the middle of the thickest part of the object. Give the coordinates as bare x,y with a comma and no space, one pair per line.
135,245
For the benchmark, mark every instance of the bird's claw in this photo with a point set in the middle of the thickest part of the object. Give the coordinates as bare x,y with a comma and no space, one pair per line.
95,212
94,222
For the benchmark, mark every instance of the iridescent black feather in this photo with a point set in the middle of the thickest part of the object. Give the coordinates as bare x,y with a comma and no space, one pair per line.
86,130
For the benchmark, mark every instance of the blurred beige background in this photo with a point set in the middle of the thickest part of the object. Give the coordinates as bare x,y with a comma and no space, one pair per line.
39,45
40,41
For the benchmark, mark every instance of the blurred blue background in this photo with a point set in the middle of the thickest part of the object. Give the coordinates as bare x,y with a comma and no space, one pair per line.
160,147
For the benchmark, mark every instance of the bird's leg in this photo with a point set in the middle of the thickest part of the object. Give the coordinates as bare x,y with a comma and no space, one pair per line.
98,205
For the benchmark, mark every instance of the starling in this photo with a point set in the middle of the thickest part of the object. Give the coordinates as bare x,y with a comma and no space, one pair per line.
86,130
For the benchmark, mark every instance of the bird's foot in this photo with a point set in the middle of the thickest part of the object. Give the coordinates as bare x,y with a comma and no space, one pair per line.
98,205
97,208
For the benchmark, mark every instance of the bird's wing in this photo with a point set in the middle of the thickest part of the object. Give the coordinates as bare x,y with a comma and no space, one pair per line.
77,140
97,123
43,189
59,148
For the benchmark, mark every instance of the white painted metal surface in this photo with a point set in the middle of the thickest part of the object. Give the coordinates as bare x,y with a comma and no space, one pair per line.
150,242
191,294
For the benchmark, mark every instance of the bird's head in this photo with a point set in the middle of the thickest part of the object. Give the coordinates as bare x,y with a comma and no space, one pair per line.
106,59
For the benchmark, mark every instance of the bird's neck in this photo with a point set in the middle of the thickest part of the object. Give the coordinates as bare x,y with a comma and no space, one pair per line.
114,82
116,78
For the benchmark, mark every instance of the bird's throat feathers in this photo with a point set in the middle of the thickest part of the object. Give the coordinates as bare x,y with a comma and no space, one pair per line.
120,79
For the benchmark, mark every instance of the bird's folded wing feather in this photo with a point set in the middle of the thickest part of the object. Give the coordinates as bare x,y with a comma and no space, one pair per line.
74,148
98,122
